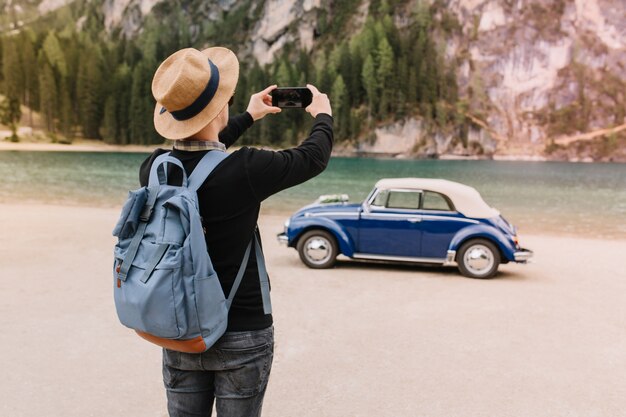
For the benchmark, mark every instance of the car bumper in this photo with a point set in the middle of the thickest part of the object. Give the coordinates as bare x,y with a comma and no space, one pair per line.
450,258
523,255
282,238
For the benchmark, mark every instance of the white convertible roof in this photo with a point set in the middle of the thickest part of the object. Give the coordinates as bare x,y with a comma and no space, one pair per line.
466,199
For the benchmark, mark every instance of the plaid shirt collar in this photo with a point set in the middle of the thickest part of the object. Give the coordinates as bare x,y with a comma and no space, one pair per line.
199,145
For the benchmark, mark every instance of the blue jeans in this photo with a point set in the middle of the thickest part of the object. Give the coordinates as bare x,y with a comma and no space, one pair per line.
234,371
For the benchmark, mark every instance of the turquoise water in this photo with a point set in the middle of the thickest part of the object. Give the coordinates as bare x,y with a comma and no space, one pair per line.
587,199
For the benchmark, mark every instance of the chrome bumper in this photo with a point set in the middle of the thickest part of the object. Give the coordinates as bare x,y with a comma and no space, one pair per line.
450,258
523,255
282,238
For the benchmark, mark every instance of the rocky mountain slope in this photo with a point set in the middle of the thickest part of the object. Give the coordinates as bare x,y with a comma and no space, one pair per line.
547,69
533,73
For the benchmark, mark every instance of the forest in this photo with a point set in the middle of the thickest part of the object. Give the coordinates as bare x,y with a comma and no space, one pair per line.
87,83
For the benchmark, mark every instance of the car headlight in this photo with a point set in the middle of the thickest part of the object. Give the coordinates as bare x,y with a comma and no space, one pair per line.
287,222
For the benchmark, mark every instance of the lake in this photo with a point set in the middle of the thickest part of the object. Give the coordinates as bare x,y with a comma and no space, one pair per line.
553,197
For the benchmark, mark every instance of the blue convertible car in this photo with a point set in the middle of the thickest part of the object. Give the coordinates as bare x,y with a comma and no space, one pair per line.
422,220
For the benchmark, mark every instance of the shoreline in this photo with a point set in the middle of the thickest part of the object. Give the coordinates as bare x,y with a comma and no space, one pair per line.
98,146
79,146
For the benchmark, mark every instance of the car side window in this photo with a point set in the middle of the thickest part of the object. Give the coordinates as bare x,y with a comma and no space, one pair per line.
381,198
435,201
404,200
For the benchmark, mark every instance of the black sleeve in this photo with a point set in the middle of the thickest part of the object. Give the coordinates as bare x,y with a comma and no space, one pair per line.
237,125
144,171
272,171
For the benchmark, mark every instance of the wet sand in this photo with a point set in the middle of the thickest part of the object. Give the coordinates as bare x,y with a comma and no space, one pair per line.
544,339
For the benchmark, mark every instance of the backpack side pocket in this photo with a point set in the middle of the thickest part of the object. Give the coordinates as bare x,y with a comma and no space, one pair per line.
129,218
210,305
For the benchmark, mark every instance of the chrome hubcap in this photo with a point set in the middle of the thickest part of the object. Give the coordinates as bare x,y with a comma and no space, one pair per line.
478,259
317,249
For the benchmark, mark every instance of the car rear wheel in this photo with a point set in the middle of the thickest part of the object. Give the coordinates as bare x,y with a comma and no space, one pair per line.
478,258
317,249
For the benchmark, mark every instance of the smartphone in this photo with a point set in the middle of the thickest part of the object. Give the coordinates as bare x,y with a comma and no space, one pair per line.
291,97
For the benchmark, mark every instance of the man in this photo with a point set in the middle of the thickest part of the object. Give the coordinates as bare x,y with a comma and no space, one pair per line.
193,89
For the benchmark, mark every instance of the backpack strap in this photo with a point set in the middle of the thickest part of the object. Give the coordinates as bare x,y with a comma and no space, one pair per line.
156,258
158,173
204,168
263,278
239,277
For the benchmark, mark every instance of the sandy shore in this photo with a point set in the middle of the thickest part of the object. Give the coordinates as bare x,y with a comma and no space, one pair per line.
545,339
79,146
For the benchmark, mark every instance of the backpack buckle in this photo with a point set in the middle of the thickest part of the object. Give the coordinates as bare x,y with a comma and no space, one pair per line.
146,213
121,276
119,279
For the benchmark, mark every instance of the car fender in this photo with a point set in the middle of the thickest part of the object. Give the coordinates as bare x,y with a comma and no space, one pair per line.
486,232
303,225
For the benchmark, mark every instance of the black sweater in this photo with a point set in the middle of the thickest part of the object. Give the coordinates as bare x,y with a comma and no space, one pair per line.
230,200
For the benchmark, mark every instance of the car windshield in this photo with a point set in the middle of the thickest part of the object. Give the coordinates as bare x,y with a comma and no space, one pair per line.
381,199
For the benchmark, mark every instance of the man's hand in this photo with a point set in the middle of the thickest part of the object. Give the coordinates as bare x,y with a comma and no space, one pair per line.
261,104
320,103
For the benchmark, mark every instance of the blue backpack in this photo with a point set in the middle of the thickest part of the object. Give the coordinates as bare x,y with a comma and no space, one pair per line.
165,286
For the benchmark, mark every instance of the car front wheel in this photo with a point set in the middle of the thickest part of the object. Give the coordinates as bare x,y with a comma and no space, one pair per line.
478,258
317,249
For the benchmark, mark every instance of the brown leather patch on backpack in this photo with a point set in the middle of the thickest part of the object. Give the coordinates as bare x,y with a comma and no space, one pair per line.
195,345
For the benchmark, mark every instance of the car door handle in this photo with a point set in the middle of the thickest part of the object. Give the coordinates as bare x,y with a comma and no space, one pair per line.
414,219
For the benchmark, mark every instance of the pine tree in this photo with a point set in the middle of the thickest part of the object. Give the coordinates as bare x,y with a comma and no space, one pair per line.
115,122
400,88
341,106
31,77
1,62
123,87
303,68
138,110
283,74
421,15
355,80
384,9
12,71
431,75
47,95
142,106
66,113
367,40
441,112
370,83
10,114
110,122
411,88
90,92
53,52
384,75
323,80
344,68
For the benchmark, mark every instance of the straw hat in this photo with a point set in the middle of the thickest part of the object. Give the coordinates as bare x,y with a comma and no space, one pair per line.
191,87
